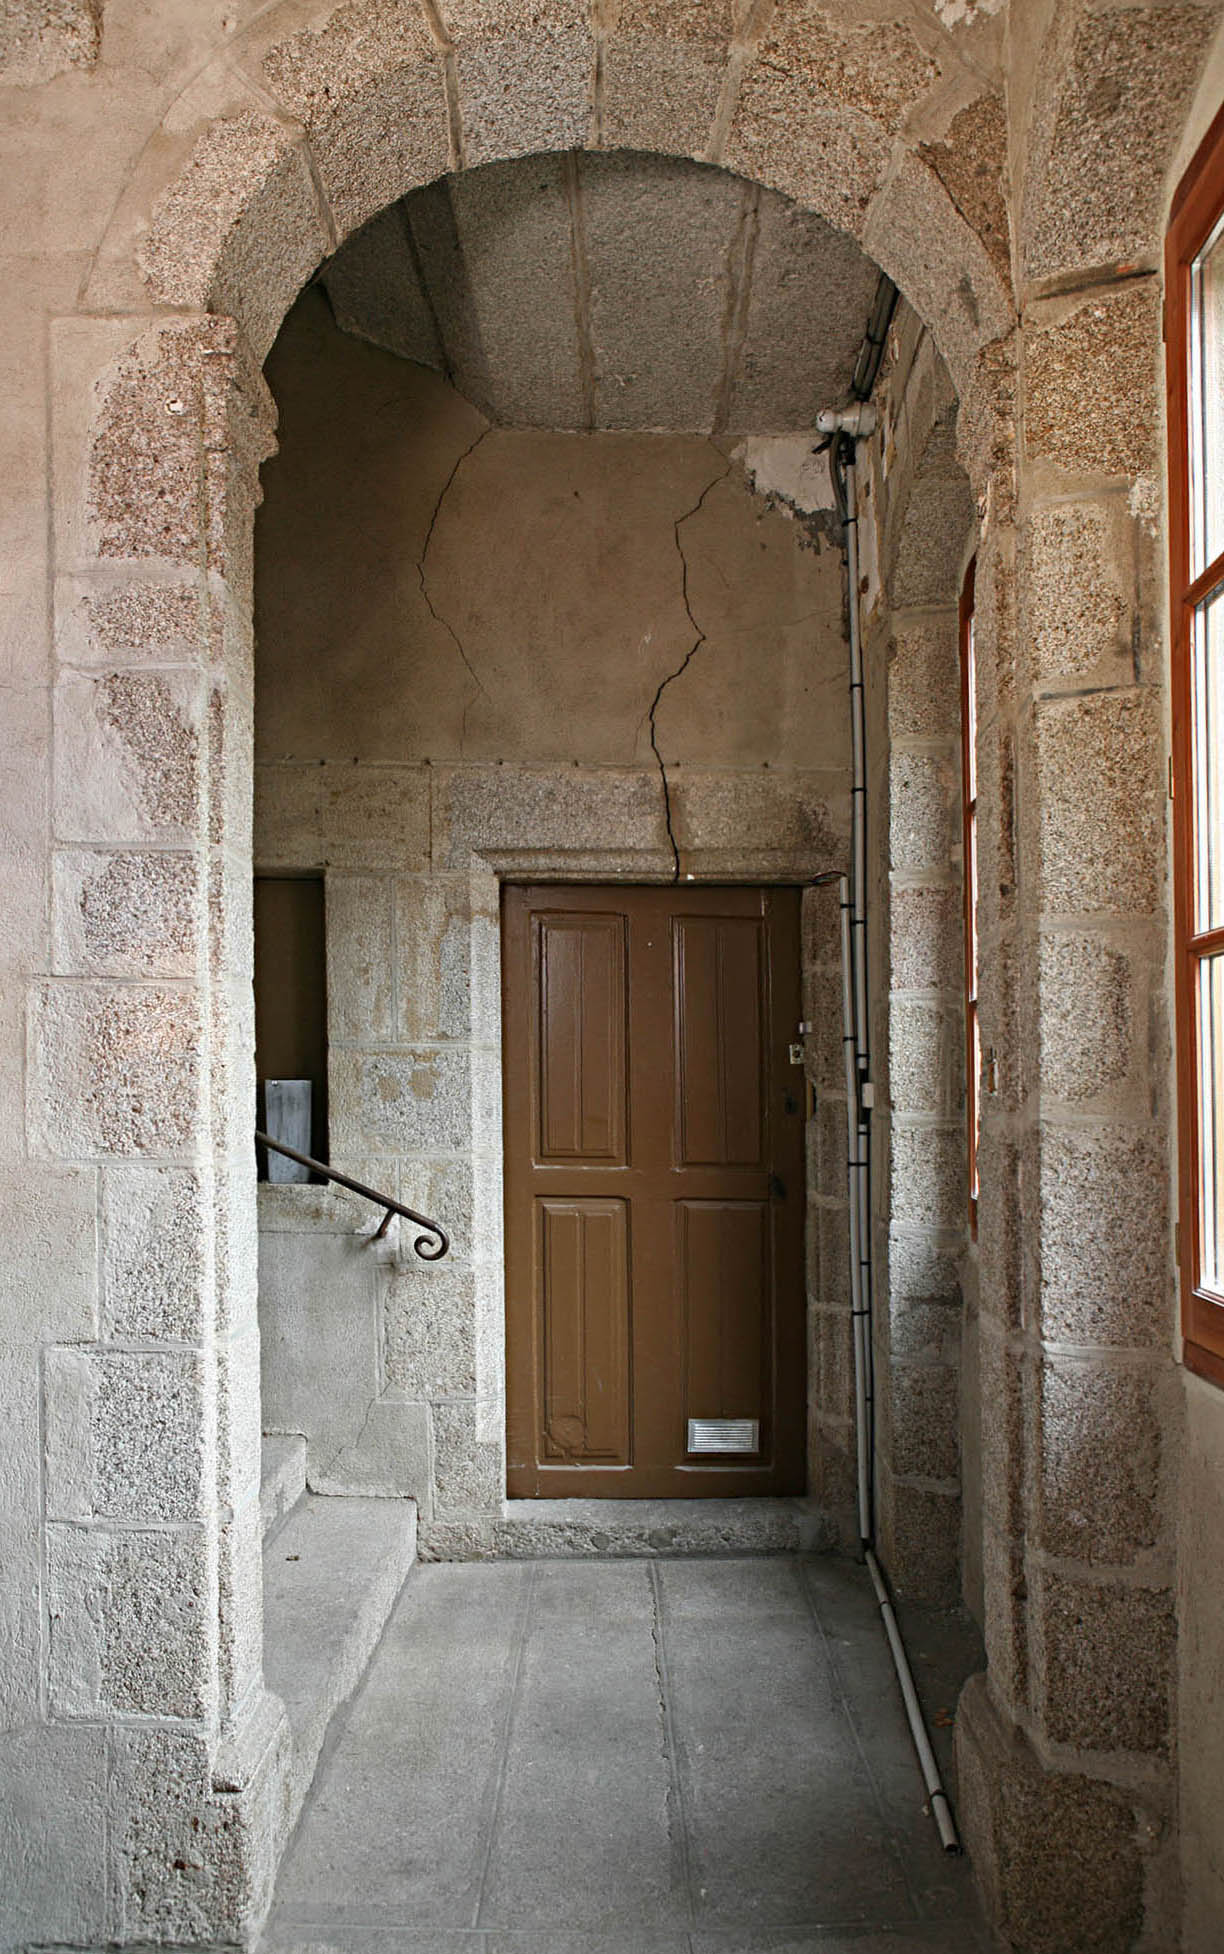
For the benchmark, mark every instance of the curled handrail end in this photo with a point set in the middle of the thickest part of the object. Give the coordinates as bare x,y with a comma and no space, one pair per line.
424,1243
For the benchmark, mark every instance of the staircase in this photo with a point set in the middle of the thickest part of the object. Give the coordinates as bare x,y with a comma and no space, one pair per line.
332,1570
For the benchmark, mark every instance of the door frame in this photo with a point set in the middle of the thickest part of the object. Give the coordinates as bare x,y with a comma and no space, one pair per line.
462,1481
828,1341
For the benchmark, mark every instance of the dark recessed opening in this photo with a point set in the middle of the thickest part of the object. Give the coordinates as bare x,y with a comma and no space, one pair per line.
291,995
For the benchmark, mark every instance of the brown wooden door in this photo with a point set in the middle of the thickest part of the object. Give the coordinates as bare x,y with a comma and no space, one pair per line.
654,1192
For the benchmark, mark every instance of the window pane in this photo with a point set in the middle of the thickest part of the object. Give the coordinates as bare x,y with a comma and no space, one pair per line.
971,710
971,870
1207,680
1207,403
1211,1113
975,1097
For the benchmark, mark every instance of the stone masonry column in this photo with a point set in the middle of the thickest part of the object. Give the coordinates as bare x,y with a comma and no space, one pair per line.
1064,1744
141,1076
916,527
832,1472
922,1186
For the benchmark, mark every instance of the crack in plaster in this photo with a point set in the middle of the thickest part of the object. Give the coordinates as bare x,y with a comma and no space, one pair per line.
317,1476
684,664
434,612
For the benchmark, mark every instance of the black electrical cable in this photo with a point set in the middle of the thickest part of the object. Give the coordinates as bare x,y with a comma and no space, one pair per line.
871,352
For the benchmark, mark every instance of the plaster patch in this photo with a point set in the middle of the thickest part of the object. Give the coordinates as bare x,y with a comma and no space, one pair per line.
128,914
971,163
145,621
954,12
116,1069
154,1253
788,469
127,1615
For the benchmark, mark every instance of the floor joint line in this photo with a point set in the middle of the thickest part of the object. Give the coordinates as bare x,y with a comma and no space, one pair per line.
671,1748
499,1777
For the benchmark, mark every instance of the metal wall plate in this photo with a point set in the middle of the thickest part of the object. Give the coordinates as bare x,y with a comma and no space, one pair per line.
724,1434
288,1118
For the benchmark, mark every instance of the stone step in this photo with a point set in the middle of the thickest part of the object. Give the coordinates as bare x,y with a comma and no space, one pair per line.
331,1576
282,1478
545,1529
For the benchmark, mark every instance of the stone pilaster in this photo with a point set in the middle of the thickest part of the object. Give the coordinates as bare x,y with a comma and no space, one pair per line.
1065,1744
917,503
140,1072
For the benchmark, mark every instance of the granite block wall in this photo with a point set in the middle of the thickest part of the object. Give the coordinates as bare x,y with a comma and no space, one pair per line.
172,178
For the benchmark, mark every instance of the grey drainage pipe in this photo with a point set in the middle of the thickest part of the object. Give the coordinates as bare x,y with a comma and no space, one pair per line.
941,1809
855,425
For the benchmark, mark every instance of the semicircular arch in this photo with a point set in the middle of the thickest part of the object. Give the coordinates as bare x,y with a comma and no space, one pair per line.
310,122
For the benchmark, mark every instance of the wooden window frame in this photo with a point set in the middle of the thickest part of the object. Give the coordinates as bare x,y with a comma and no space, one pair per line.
1196,210
973,1095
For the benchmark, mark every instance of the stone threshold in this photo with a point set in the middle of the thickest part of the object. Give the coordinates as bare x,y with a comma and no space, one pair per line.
610,1529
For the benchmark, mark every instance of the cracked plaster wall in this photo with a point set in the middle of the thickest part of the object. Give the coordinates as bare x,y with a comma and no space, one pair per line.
487,651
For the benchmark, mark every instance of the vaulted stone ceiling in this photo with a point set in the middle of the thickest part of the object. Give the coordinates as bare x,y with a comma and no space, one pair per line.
613,291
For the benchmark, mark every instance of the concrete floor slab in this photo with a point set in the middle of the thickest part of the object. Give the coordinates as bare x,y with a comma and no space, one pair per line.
625,1757
779,1803
593,1591
476,1940
585,1834
943,1649
739,1590
618,1942
297,1939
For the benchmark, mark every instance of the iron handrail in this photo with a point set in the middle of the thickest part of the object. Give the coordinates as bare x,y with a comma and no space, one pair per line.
431,1246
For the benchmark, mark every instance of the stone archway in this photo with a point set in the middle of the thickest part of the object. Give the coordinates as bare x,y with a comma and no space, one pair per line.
282,145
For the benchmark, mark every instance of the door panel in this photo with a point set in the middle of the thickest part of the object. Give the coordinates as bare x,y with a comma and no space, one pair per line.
581,1037
728,1321
720,970
583,1271
654,1190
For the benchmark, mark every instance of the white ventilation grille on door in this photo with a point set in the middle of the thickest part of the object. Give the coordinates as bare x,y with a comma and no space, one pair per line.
724,1434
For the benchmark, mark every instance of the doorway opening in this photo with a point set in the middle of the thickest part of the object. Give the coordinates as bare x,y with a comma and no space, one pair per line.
654,1169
